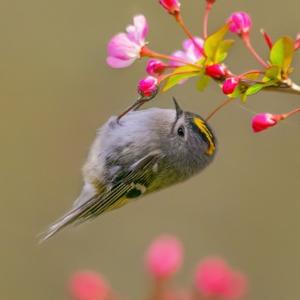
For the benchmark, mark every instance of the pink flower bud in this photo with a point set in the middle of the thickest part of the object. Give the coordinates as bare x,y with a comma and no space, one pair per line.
88,285
240,23
164,257
230,84
171,6
148,86
215,71
214,278
263,121
155,67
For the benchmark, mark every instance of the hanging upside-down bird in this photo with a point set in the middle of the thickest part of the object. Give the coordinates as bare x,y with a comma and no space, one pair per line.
144,151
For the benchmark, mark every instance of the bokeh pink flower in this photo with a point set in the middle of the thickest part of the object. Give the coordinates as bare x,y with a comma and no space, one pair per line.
216,279
190,53
88,285
240,23
124,48
164,257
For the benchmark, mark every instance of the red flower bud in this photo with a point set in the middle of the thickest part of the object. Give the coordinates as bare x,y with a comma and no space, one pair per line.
216,71
155,67
171,6
230,84
263,121
148,86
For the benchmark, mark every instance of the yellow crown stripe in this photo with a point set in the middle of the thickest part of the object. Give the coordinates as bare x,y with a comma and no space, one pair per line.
203,128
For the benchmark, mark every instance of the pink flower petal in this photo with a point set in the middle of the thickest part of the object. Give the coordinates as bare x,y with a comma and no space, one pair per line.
124,48
121,47
178,54
240,22
119,63
141,26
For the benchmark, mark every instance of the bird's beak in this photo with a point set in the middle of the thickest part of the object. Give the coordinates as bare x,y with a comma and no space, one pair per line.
178,109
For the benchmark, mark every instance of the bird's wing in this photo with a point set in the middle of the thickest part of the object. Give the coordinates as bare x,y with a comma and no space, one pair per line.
127,184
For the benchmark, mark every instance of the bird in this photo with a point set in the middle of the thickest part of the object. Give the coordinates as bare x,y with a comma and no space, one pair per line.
144,151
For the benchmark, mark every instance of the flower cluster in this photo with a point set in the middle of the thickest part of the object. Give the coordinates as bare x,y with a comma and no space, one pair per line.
204,59
214,278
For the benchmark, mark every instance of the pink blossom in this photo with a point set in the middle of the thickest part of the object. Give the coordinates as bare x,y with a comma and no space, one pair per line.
124,48
240,22
190,53
148,86
215,71
215,278
230,84
88,285
164,257
155,67
171,6
263,121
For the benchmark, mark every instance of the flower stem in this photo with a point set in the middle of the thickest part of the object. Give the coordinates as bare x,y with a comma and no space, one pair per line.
247,42
291,88
149,53
252,72
205,19
289,114
166,76
224,103
181,23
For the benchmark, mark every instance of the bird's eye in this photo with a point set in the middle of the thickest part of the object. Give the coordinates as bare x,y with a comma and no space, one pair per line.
180,131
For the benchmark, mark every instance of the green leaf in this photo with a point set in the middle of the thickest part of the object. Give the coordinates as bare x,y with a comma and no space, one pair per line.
237,93
179,74
212,43
254,89
222,50
244,97
272,73
282,53
203,82
252,76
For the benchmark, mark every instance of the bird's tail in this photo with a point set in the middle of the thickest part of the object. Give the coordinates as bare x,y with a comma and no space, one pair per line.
86,199
67,219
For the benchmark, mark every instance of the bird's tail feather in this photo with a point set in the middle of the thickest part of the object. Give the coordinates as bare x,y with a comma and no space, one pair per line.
69,218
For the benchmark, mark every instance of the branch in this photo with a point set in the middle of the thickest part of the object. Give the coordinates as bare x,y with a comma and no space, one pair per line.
286,87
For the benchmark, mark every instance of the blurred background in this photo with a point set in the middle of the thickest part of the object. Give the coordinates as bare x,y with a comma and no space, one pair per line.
56,90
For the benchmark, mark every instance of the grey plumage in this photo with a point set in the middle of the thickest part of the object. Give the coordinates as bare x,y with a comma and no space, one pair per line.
144,151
